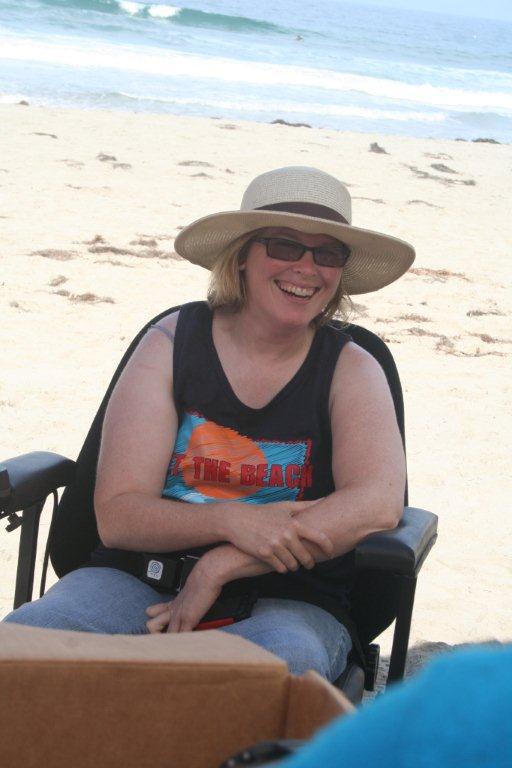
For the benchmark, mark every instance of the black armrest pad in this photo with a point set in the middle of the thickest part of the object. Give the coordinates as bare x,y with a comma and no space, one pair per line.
33,476
403,549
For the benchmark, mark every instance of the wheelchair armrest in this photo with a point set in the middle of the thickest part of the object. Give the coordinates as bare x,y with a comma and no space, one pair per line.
32,477
401,550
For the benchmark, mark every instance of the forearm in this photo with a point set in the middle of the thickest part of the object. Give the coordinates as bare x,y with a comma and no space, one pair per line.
347,516
352,513
227,563
138,522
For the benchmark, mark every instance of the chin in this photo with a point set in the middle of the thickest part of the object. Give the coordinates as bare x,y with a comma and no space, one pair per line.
299,316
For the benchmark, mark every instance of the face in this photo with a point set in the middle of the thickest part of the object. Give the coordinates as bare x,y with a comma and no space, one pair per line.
292,293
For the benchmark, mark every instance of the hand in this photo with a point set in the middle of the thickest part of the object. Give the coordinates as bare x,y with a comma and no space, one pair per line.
185,611
270,533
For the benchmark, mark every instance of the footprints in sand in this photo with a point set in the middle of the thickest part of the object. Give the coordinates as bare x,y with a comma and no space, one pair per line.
88,298
72,163
17,305
40,133
56,254
143,247
437,275
454,345
377,200
424,202
113,161
459,345
426,175
196,164
441,168
102,157
201,164
471,341
491,339
59,280
414,318
482,312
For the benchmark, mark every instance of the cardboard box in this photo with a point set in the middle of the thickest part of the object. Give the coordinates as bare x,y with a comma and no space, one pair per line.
78,700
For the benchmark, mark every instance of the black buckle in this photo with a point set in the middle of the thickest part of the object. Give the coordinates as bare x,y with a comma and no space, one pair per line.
187,564
166,573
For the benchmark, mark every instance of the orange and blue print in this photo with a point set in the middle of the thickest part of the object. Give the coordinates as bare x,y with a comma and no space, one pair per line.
216,463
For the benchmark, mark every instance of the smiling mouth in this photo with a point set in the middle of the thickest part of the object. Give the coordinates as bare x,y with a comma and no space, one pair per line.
295,290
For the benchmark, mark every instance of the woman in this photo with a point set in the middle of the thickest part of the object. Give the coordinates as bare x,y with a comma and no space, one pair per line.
272,435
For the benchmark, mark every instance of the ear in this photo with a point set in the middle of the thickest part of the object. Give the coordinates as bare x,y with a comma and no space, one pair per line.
242,255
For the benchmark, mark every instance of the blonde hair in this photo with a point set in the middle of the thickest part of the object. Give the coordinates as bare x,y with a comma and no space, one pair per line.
226,287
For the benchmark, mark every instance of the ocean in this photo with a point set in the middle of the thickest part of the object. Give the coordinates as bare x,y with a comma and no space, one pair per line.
329,64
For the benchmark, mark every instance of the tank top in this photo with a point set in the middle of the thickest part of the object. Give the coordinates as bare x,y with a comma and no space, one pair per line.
226,450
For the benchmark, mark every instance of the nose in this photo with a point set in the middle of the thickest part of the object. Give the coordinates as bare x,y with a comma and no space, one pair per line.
306,263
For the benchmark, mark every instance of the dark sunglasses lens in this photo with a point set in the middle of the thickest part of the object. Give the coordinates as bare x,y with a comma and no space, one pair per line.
335,256
284,250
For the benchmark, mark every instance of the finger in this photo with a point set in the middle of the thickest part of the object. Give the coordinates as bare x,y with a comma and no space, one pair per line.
317,537
303,555
158,623
186,626
275,563
175,621
285,555
267,555
154,610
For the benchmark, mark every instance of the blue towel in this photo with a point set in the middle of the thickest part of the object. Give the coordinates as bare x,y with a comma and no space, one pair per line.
456,714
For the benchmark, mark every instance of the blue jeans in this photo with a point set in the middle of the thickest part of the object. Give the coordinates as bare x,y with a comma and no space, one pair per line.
109,601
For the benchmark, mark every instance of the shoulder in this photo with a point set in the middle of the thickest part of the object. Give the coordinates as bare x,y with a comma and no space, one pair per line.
356,361
154,351
166,326
193,314
357,376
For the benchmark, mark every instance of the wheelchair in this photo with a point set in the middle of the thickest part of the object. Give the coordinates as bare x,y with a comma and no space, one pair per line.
387,563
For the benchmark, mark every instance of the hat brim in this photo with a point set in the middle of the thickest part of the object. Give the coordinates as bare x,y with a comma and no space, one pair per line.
375,261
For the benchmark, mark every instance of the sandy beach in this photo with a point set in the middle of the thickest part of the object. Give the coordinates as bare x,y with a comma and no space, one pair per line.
90,204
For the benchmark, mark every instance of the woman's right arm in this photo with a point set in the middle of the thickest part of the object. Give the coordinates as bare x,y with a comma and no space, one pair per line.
138,436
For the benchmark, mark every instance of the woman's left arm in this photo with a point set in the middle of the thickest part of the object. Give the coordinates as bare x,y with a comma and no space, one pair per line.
368,462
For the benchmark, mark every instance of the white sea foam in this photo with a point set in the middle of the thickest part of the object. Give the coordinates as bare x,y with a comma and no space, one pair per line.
163,11
131,7
12,98
156,11
278,106
170,64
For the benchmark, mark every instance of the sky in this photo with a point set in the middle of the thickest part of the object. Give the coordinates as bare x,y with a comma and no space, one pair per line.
486,9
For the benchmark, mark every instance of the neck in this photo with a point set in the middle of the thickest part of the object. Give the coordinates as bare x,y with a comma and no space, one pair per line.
261,337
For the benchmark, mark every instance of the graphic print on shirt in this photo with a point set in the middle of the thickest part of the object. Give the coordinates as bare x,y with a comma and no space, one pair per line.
215,463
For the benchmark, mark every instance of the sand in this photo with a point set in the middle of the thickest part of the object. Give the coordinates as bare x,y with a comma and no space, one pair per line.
90,205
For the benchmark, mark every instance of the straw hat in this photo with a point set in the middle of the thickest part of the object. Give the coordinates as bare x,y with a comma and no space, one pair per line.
309,201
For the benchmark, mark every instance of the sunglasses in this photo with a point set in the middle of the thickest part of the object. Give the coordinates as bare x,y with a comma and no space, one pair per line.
335,255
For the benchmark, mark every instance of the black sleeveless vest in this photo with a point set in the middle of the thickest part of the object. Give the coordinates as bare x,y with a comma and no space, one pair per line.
227,450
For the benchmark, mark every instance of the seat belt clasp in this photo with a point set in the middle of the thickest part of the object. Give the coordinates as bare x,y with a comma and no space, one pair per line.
188,562
166,573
